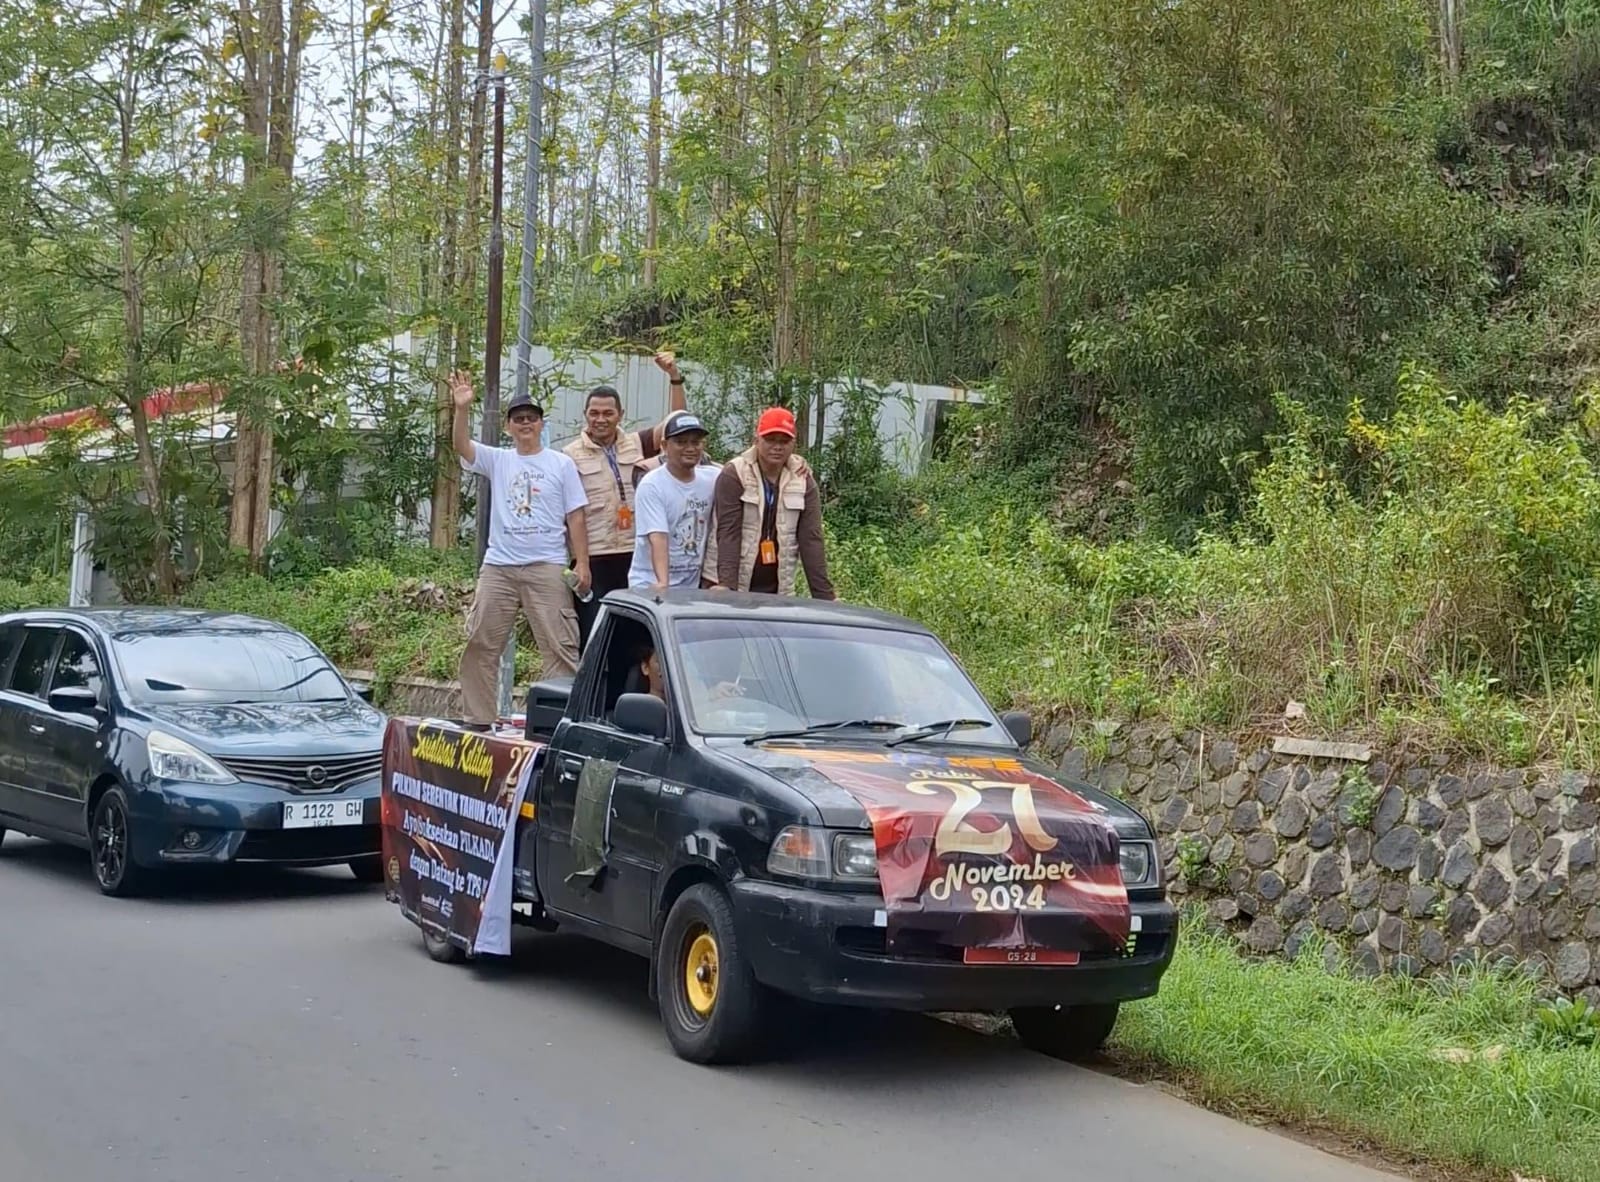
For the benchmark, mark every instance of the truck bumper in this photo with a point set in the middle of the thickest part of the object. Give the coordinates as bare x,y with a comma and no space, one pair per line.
829,947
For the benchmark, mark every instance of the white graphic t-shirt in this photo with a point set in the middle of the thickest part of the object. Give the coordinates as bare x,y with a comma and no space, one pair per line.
681,510
529,499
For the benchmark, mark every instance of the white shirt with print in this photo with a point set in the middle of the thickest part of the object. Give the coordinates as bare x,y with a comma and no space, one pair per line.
529,499
681,509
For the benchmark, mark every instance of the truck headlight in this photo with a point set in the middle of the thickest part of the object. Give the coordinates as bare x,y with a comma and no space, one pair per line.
800,852
173,759
855,856
1138,863
803,852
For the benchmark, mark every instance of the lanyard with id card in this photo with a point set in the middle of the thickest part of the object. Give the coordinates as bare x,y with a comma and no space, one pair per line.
769,544
624,510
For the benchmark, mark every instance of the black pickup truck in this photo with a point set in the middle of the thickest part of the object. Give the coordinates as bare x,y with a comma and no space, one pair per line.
772,797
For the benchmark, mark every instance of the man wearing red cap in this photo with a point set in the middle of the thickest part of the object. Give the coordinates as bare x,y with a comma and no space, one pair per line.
769,516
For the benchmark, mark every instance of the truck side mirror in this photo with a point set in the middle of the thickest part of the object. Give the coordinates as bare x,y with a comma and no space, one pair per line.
1019,725
642,714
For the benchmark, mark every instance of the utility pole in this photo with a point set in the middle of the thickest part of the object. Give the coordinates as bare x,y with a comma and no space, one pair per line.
489,428
530,242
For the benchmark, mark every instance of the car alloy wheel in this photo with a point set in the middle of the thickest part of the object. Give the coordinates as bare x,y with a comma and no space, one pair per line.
110,847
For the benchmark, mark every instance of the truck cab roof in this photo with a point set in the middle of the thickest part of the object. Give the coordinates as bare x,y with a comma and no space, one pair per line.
678,603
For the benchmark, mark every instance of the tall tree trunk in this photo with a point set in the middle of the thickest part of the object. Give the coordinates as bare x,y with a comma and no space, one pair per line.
467,304
780,190
653,177
133,381
446,508
1450,19
271,52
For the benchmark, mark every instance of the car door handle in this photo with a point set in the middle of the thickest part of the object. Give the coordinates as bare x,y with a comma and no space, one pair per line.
35,729
570,768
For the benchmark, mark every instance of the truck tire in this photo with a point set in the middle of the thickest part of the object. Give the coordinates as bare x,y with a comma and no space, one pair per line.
441,949
1065,1032
713,1008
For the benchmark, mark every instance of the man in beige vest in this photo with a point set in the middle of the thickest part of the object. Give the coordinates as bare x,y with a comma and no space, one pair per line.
606,457
768,516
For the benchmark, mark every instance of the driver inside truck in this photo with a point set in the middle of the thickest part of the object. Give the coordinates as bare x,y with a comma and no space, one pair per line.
650,669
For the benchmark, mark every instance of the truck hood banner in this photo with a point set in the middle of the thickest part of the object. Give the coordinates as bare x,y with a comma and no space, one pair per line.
979,852
450,804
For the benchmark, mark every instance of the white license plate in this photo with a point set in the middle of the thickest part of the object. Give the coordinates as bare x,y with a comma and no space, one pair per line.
312,814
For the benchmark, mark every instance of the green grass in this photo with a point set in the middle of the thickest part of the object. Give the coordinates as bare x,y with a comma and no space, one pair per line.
1364,1058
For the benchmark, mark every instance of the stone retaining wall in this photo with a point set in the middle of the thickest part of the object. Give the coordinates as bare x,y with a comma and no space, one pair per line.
416,697
1410,864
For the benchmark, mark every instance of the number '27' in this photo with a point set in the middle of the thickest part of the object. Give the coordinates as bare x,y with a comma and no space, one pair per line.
957,836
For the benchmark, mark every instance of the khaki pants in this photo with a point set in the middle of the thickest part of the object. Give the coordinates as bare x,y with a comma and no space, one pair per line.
539,590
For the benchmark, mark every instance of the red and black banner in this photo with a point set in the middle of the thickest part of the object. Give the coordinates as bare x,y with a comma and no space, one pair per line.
983,853
451,800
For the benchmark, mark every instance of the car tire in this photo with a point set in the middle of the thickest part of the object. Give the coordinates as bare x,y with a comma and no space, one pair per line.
441,949
369,870
713,1008
111,848
1072,1033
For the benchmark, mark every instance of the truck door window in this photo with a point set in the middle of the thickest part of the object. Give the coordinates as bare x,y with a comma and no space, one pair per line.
625,643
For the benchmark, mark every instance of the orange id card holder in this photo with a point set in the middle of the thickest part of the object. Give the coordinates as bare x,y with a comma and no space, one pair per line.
769,552
624,516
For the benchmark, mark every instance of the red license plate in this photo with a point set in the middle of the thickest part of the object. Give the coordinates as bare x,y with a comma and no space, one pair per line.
1017,956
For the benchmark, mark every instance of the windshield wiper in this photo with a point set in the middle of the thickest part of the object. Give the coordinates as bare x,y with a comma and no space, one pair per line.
824,727
929,729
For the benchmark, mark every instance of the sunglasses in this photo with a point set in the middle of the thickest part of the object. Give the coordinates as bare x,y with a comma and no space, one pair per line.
523,417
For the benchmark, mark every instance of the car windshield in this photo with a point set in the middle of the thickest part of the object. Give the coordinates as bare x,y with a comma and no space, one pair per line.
748,677
189,666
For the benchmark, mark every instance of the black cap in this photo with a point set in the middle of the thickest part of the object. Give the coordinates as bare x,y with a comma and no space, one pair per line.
682,423
523,401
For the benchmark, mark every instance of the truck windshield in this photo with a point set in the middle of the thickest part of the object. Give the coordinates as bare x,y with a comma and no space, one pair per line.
746,677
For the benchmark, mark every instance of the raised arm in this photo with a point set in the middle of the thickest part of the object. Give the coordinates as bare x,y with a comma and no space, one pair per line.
676,398
461,424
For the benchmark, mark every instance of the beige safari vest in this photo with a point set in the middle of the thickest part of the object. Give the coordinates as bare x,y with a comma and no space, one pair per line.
600,485
791,501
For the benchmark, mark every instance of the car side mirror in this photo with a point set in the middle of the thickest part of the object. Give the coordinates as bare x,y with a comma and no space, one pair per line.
1020,726
363,691
642,714
74,699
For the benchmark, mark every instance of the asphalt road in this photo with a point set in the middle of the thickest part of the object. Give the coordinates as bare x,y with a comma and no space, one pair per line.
289,1026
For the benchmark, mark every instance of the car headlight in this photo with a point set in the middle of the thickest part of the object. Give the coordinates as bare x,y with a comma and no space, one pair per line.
803,852
173,759
1138,863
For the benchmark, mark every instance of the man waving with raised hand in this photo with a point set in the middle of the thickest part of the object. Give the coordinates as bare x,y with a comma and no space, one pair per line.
536,511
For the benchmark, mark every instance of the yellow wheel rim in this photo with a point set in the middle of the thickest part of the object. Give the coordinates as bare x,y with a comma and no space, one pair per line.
700,974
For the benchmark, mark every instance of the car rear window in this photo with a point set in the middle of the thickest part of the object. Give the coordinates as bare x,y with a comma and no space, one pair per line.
33,661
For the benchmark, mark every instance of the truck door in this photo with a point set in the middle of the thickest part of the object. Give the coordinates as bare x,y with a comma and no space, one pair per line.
597,842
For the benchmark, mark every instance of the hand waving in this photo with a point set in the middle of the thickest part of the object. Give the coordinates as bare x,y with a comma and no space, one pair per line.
461,390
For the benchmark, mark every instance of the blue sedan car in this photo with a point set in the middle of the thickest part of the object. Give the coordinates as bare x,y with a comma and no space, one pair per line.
160,738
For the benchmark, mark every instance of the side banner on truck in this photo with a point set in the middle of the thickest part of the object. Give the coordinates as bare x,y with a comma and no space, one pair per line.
451,800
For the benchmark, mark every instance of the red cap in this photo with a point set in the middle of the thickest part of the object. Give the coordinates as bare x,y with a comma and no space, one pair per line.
776,421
